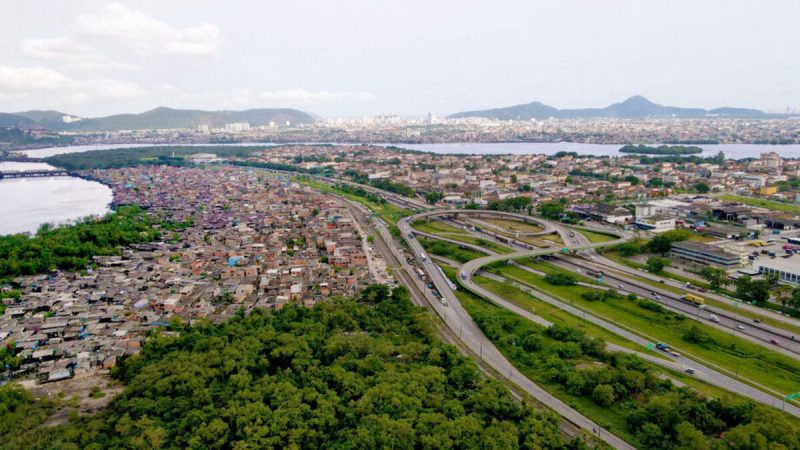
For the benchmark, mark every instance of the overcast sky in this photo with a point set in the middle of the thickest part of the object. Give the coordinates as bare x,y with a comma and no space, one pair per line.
364,57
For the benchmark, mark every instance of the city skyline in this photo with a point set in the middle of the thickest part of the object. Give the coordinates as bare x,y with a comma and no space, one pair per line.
99,57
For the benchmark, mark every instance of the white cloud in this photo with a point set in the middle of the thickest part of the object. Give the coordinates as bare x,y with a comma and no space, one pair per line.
30,79
148,35
38,85
72,53
246,98
310,97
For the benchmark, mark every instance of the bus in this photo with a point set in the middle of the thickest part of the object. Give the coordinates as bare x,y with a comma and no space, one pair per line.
693,299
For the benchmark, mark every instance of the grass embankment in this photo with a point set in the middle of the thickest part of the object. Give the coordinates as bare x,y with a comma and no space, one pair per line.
387,211
510,229
449,250
723,305
748,360
762,203
552,313
456,234
594,236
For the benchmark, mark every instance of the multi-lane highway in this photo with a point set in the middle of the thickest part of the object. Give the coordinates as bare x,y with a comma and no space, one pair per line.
458,320
576,242
775,338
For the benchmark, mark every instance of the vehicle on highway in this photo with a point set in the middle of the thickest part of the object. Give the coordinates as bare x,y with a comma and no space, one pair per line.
423,257
774,342
444,302
420,274
662,346
713,318
693,299
689,370
739,326
675,354
756,321
463,275
656,296
621,286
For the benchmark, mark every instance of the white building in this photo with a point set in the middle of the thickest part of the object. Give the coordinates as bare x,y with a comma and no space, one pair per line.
237,127
788,269
656,223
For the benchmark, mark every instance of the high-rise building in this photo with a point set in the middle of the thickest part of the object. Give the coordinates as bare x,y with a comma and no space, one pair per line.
237,126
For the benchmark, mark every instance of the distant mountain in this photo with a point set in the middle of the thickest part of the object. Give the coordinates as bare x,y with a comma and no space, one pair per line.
159,118
636,107
16,121
52,120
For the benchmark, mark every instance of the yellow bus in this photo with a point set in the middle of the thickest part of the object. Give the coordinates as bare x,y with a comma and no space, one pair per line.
693,299
758,243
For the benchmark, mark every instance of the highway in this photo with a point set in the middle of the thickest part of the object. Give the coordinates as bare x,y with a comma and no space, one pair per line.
577,242
741,326
460,322
774,338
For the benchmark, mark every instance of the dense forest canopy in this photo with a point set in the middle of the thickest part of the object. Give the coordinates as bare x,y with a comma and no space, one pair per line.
366,373
71,247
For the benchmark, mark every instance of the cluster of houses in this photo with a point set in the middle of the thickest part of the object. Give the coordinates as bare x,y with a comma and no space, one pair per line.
231,238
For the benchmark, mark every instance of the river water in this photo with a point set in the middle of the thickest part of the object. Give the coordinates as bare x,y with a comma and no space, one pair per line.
28,202
735,151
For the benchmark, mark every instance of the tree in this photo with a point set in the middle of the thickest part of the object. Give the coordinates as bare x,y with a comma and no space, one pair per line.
660,244
651,436
702,187
656,264
716,277
756,291
551,210
603,394
687,437
560,279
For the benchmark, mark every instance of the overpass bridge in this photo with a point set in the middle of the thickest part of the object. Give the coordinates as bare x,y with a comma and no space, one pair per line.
34,174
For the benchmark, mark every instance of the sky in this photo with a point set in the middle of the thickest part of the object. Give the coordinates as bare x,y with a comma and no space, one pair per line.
352,58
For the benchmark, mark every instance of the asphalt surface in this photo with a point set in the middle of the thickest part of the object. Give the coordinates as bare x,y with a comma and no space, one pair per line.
460,322
576,243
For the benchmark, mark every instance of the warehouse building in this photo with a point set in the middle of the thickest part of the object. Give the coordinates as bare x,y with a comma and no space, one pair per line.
787,269
705,254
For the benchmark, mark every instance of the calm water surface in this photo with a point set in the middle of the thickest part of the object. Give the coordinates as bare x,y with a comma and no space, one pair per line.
26,203
736,151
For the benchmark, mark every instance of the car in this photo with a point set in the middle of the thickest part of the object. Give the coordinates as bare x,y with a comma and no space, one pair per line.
675,354
662,346
774,342
661,281
713,318
657,297
689,370
756,321
621,286
739,326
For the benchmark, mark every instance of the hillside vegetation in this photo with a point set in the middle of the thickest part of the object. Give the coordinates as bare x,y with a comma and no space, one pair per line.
345,374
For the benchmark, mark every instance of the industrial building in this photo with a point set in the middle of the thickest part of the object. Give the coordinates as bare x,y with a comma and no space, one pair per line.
705,254
788,269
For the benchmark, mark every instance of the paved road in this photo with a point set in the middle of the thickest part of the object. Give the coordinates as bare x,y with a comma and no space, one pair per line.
730,322
461,323
578,242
